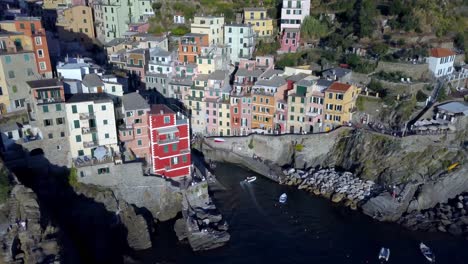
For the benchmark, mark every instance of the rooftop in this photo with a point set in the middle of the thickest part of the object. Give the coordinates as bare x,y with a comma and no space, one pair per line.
306,82
254,9
270,73
217,75
159,52
245,72
324,83
90,97
160,109
454,107
194,35
69,66
134,101
441,52
337,71
114,42
339,87
297,77
92,80
44,83
273,82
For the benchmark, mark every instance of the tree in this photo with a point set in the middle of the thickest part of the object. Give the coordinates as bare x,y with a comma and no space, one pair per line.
180,31
156,6
377,87
366,11
380,49
313,28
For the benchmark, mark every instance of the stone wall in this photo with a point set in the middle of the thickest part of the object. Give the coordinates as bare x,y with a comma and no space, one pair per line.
416,71
56,151
153,193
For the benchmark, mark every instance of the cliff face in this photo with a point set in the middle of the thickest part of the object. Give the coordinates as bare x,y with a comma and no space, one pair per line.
417,165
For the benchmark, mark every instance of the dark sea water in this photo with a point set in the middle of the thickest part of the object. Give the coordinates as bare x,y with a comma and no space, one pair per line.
307,229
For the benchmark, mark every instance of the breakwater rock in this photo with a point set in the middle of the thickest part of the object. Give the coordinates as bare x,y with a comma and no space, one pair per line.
451,217
337,186
202,224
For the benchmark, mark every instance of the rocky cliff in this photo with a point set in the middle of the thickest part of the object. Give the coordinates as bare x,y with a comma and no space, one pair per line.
416,165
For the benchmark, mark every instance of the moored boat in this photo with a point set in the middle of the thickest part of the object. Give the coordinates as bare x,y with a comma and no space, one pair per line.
219,140
283,198
250,179
427,252
384,255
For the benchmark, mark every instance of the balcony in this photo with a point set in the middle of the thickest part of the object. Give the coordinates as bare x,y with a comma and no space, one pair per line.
312,114
168,140
86,116
51,100
90,144
88,130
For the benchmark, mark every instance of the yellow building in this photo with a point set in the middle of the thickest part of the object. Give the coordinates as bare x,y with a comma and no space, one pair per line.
206,65
224,125
76,24
340,100
54,4
258,18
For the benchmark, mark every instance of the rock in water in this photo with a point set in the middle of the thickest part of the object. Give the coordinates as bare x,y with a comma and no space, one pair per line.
455,230
337,197
180,229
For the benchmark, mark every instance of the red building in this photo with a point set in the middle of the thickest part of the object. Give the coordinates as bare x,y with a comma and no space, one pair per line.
170,142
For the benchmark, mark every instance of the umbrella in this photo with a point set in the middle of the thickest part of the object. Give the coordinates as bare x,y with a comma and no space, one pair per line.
433,128
423,128
100,152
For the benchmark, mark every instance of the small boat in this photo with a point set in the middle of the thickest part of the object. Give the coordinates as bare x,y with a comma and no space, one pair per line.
219,140
283,198
384,255
250,179
427,252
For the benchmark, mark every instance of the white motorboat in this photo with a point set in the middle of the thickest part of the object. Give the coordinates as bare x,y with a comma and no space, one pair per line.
384,255
250,179
283,198
427,252
219,140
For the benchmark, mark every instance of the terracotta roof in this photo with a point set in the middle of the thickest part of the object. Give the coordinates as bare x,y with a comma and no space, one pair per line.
441,52
339,87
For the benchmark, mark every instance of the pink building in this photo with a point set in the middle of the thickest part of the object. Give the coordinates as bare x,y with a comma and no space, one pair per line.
290,40
134,132
314,105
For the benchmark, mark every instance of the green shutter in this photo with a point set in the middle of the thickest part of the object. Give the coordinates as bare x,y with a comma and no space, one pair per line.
174,146
45,108
103,107
166,149
58,107
74,110
78,138
76,123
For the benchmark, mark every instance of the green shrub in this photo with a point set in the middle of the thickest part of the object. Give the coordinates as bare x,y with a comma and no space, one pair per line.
251,146
73,177
299,147
180,31
420,96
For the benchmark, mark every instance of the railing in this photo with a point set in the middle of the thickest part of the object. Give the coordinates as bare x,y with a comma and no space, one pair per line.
168,140
88,130
90,144
86,116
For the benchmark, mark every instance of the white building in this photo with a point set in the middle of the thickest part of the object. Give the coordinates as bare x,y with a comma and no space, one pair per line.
293,13
112,86
76,68
441,61
91,123
179,18
213,26
160,61
241,42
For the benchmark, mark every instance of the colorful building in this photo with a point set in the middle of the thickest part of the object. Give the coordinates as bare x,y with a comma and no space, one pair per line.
297,105
76,24
134,132
293,13
195,103
190,46
240,40
340,101
440,61
290,40
170,142
213,26
261,23
315,106
32,27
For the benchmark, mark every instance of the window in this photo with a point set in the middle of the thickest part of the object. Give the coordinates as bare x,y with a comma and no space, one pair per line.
48,122
103,107
84,11
166,149
30,72
50,135
113,88
84,21
42,65
80,152
74,109
139,142
58,107
330,96
140,113
15,89
106,135
78,138
129,114
103,171
38,40
167,119
105,122
11,74
339,96
45,108
76,123
174,147
21,26
60,121
138,131
291,118
184,158
40,53
175,160
62,134
338,107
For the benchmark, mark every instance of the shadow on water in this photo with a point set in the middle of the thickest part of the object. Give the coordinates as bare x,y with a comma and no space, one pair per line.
86,233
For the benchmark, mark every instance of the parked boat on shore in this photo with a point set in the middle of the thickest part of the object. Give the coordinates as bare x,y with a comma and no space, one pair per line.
219,140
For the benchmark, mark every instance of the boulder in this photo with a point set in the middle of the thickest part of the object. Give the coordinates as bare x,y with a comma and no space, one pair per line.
337,197
180,229
464,219
455,230
441,228
446,222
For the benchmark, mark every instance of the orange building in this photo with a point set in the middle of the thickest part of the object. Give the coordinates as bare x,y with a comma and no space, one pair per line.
32,27
190,46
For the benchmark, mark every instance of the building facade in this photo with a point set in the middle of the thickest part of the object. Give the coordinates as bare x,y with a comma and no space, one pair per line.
290,40
293,13
340,101
76,24
213,26
441,62
190,46
240,40
261,23
170,142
